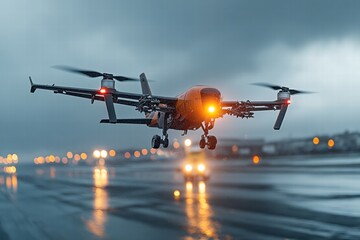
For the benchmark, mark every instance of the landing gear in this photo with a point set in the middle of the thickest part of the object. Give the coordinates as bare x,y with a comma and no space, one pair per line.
157,140
207,140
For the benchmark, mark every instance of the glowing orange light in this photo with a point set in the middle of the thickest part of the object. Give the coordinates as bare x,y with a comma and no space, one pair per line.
331,143
112,153
76,157
176,145
83,156
144,151
137,154
211,109
69,155
256,159
316,140
102,90
153,151
51,158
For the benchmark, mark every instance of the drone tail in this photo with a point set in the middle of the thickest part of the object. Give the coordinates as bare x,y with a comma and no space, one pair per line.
145,85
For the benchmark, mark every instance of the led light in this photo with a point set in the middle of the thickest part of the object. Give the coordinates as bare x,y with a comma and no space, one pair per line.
188,168
211,109
288,101
201,167
187,142
102,90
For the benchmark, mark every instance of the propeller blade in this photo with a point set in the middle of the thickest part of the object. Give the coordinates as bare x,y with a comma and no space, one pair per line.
277,87
110,108
293,92
124,79
280,117
92,74
274,87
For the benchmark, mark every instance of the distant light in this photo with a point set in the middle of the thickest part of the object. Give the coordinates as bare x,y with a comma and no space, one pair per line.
96,154
15,157
144,152
176,144
64,160
137,154
127,155
57,159
188,168
83,156
331,143
187,142
102,90
234,149
176,193
41,160
201,167
51,158
288,101
153,151
112,153
36,161
256,159
103,153
316,140
69,155
77,157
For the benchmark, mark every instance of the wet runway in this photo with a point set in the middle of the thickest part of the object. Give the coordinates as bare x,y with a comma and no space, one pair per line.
289,198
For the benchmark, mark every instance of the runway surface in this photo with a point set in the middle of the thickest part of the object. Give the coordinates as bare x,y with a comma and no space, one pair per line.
289,198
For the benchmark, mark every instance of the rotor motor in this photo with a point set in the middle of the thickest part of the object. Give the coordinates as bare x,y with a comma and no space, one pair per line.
108,83
283,95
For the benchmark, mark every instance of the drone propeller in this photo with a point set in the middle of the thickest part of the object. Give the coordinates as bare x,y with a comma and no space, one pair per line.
94,74
285,89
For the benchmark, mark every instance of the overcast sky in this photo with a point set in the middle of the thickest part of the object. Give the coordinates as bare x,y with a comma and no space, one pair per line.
307,45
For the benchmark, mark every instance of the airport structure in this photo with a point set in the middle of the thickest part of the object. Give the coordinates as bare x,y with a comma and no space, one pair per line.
346,142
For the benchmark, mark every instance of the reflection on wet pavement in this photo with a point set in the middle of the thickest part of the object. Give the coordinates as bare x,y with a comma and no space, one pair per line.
199,213
96,224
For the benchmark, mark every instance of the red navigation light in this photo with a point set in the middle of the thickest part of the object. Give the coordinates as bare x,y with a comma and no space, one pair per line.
288,101
102,90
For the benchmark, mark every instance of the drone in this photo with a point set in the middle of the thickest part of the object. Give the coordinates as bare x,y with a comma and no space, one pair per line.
198,107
